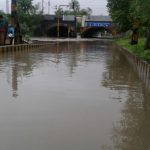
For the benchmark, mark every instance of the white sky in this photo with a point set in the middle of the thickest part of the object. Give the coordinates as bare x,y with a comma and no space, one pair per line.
98,6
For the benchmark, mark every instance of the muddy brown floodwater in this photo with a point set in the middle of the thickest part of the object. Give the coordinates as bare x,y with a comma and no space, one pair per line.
72,96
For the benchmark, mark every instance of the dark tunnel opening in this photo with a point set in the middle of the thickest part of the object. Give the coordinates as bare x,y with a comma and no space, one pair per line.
95,32
53,32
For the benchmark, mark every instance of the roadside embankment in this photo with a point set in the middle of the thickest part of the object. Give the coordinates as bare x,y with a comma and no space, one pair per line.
137,50
139,64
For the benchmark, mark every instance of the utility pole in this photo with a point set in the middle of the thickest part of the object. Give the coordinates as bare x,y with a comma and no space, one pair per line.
49,7
15,22
58,8
42,6
75,17
7,6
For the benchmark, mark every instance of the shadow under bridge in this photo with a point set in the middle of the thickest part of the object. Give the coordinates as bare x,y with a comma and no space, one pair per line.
89,32
63,30
62,26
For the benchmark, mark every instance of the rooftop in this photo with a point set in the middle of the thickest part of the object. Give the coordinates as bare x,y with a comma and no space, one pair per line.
98,18
64,17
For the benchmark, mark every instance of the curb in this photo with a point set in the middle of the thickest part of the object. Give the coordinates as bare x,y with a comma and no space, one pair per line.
20,47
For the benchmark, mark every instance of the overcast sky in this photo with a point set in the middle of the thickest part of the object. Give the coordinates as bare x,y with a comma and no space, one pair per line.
98,6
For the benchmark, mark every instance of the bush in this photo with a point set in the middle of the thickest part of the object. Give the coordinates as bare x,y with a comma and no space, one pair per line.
137,49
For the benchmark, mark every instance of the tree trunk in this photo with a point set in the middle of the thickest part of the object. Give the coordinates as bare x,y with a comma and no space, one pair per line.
147,43
134,38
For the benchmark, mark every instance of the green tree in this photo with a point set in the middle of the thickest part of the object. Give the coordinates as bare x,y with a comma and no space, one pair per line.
59,11
140,10
127,14
87,11
75,5
74,9
145,13
29,17
25,5
119,11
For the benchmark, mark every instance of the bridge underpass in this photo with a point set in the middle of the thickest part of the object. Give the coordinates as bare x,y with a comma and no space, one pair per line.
97,26
64,26
64,31
90,32
53,31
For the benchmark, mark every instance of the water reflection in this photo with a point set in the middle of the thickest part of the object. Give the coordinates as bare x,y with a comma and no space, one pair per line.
72,95
16,65
22,63
132,132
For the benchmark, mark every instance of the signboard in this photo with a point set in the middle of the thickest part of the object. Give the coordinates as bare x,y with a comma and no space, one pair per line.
97,24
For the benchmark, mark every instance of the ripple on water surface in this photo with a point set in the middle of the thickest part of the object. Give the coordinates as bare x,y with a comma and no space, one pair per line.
72,96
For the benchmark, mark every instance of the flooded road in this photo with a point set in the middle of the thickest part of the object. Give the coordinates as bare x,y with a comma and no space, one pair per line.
72,96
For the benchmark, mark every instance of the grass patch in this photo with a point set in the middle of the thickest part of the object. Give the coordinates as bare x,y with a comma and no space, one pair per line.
137,49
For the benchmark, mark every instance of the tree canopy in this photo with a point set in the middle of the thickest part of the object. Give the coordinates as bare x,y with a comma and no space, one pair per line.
119,11
125,12
29,16
74,9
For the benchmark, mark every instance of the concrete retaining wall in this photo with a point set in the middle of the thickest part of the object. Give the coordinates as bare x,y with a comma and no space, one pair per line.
140,66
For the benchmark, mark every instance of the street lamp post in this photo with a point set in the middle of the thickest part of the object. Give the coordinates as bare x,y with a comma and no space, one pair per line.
58,21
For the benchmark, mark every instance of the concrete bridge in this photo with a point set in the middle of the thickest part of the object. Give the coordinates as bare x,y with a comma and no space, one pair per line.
66,26
94,25
62,26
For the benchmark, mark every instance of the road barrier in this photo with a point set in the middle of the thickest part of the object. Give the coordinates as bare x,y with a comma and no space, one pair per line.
140,66
12,48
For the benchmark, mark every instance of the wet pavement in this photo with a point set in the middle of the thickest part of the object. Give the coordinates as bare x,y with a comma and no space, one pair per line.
79,95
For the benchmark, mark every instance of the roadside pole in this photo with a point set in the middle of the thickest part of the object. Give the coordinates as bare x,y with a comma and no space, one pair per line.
15,22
